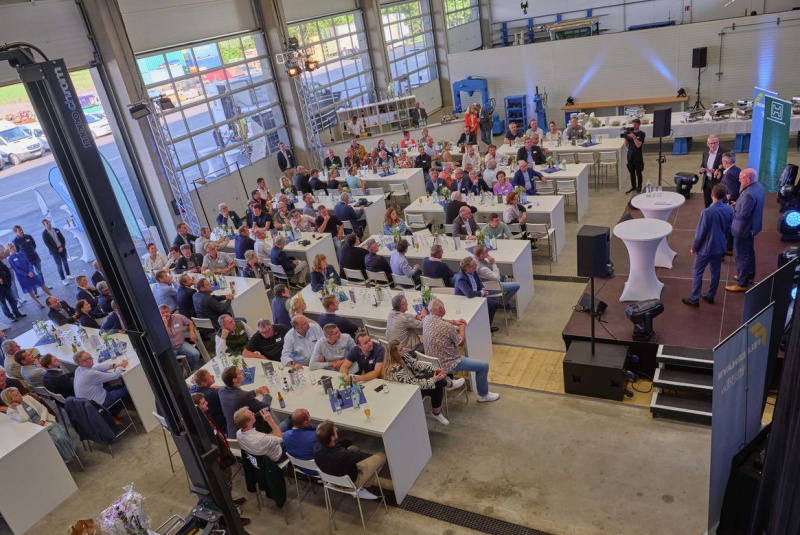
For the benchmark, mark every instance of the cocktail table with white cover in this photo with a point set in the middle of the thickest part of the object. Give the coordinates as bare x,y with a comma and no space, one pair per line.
642,238
397,417
659,206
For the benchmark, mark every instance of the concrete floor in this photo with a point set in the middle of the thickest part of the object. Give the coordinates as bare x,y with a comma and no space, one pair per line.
552,462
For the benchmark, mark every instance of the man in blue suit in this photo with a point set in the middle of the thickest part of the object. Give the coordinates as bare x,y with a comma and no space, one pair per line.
344,212
709,245
748,213
524,178
730,179
468,284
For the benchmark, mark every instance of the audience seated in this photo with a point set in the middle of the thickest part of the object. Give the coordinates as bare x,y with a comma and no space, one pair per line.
184,296
257,217
331,350
393,223
369,357
352,255
254,441
497,229
113,322
267,341
233,336
203,383
228,218
204,239
531,153
60,312
301,439
345,212
87,292
105,299
400,265
254,267
300,222
218,262
299,342
338,459
25,408
488,271
83,313
179,328
209,306
524,178
327,222
164,290
263,247
184,237
331,160
435,268
454,206
401,367
232,397
308,203
153,260
402,326
189,262
279,311
465,226
32,371
90,382
468,284
243,242
295,269
330,303
321,272
54,378
375,262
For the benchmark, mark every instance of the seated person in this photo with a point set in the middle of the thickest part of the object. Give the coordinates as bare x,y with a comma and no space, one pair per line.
475,184
257,217
184,296
54,379
301,439
435,268
105,299
400,265
375,262
345,212
218,262
301,180
294,269
468,284
88,293
203,383
402,326
113,323
513,133
243,243
60,312
299,342
332,184
335,459
232,397
368,356
322,272
267,341
453,208
32,371
179,329
401,367
189,262
524,178
502,187
316,183
255,442
90,382
331,350
280,313
228,218
164,290
301,222
488,271
330,303
433,182
574,130
423,161
465,226
467,137
27,409
209,306
254,268
530,153
331,160
233,336
352,256
497,229
553,135
83,313
205,238
393,223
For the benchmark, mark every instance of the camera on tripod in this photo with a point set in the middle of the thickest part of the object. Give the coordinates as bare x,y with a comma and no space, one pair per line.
623,133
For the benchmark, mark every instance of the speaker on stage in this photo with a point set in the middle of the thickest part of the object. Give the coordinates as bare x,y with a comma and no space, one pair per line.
594,251
699,58
662,122
585,304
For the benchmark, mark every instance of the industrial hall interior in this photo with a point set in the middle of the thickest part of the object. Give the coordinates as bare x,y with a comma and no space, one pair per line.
399,267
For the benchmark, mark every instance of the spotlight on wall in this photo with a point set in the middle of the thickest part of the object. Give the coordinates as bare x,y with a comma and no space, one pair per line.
570,101
165,103
293,70
641,315
681,92
139,110
789,226
311,64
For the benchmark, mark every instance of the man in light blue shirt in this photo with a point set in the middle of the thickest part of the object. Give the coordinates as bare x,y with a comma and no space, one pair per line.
330,352
89,381
164,291
400,265
299,342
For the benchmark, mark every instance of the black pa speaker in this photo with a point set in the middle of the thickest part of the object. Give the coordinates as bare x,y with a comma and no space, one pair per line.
662,122
594,251
699,58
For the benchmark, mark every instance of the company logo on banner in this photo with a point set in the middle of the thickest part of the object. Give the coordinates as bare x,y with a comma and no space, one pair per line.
740,368
774,142
754,158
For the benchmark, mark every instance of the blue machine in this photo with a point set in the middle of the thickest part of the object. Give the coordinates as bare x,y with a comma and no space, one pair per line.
539,104
469,85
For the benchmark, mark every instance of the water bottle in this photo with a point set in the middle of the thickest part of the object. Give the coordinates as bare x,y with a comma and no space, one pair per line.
391,165
337,403
356,395
658,191
215,366
648,189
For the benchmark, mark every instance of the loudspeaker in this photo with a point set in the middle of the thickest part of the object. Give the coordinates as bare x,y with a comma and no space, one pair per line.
662,122
585,302
601,375
699,57
594,251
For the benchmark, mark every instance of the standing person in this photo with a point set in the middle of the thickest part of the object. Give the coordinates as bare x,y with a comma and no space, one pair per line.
709,246
57,246
29,281
748,213
634,141
710,166
4,253
286,161
730,179
184,237
7,301
418,115
485,123
26,245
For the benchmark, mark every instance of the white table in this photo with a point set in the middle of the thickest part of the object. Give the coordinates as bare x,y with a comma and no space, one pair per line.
321,243
705,127
475,311
37,480
642,238
134,377
412,179
513,257
250,300
659,207
576,173
397,417
374,213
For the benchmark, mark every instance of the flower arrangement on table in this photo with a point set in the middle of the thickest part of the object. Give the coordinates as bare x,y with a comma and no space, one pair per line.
518,191
427,295
396,233
444,192
550,162
125,516
595,122
345,189
480,236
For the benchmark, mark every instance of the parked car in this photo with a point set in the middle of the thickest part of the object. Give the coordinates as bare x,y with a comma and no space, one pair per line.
17,143
38,133
98,124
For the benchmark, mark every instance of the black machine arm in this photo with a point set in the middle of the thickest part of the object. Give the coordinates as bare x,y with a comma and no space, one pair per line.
56,104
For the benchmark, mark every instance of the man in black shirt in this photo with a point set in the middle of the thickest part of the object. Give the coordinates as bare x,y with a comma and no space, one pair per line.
301,180
634,141
258,217
268,340
352,256
183,237
369,357
331,160
335,459
423,161
189,261
453,208
330,303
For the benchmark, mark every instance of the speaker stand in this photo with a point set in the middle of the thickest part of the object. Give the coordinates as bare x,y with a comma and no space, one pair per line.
591,310
661,158
698,105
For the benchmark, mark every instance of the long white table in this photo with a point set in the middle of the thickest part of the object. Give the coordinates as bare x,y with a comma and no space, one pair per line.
397,417
321,243
374,213
412,179
250,300
475,311
680,128
133,377
513,258
37,480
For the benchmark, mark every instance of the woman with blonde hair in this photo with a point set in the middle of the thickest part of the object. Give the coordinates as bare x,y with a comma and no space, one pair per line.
321,271
27,409
401,367
392,222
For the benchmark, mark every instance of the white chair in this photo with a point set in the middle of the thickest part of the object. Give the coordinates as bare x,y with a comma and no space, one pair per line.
299,465
415,222
542,231
347,226
464,391
355,277
545,188
399,190
375,191
433,282
280,274
378,277
201,347
496,291
401,281
356,191
568,156
567,188
608,159
591,159
448,229
515,229
241,263
375,331
345,485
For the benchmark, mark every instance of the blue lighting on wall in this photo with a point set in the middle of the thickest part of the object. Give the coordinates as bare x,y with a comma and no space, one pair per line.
588,76
794,292
766,61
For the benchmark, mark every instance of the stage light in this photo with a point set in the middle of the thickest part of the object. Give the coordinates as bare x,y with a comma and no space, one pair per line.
681,92
311,64
788,191
165,103
794,293
293,71
641,315
789,226
684,183
570,101
138,110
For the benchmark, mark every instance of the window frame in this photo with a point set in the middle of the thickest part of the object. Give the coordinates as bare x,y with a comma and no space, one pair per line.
429,39
457,9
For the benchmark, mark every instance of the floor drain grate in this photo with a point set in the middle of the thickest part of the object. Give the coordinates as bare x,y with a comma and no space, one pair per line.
560,278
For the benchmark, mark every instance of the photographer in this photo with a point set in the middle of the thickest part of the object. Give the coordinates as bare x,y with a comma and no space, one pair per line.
634,139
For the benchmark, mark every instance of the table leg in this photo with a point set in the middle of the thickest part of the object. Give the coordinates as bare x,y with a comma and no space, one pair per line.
642,282
407,446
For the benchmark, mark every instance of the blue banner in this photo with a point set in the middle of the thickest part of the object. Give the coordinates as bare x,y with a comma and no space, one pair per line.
774,142
757,129
57,183
740,364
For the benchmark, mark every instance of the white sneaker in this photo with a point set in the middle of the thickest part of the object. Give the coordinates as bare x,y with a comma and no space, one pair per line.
70,276
490,396
440,417
65,282
366,495
456,383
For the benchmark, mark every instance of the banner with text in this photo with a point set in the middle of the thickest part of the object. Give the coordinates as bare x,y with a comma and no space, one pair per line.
740,363
754,158
774,141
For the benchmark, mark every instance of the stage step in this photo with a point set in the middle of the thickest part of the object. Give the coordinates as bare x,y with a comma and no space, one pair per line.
681,408
685,356
688,380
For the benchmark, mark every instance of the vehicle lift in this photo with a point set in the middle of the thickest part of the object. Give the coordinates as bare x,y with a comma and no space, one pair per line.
55,102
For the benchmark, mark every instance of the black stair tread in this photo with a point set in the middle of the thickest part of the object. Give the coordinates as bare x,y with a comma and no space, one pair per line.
687,377
688,352
682,403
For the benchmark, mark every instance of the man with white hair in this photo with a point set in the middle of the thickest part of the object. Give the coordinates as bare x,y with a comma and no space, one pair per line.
748,213
227,217
218,262
263,247
299,342
711,166
465,226
490,173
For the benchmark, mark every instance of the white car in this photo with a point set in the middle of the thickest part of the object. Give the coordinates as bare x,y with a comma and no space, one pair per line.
98,124
17,143
38,133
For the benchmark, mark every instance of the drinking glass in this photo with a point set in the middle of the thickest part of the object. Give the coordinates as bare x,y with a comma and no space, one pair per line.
386,387
366,410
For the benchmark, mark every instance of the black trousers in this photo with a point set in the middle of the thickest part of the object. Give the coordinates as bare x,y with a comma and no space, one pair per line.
635,169
436,394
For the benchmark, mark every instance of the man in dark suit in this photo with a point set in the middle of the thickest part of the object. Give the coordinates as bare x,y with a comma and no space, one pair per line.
209,306
232,397
467,138
375,262
730,179
294,268
184,237
60,312
302,181
468,284
524,178
418,114
711,166
423,161
352,255
485,120
464,225
709,246
89,293
331,160
344,212
330,303
204,384
57,246
748,213
97,275
533,154
435,268
228,217
54,379
453,208
433,182
189,261
185,293
286,161
460,181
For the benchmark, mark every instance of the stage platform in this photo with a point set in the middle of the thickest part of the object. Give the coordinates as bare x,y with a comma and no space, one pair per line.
679,325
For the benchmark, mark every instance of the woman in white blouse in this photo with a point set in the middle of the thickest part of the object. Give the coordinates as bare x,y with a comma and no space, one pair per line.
27,409
154,261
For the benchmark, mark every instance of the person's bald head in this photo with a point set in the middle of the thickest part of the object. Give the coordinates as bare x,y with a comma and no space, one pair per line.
301,418
748,176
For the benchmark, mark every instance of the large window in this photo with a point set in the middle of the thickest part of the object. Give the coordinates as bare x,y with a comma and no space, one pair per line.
227,109
339,43
458,12
408,33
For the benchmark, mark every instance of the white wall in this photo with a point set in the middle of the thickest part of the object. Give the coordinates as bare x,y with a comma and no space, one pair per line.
644,63
307,9
465,37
